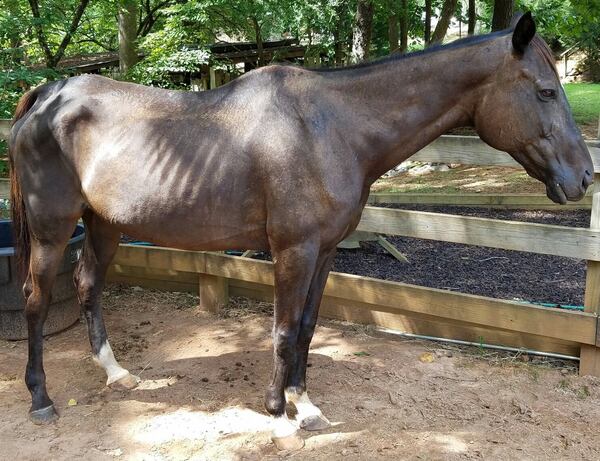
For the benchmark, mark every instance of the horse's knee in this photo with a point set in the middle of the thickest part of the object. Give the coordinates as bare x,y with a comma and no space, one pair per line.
85,285
34,308
284,343
27,288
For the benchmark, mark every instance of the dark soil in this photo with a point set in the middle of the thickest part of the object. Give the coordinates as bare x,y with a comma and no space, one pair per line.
478,270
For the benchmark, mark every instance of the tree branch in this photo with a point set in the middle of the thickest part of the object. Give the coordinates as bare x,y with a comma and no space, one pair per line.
39,30
72,29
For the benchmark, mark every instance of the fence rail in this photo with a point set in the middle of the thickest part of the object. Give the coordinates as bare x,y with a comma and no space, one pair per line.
505,201
367,300
508,235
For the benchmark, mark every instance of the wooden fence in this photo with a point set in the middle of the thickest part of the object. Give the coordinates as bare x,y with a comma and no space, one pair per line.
410,308
4,128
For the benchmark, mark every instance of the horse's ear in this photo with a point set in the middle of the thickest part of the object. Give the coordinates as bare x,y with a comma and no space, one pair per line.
523,33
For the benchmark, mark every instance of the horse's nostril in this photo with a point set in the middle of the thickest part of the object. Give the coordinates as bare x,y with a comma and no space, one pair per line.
587,172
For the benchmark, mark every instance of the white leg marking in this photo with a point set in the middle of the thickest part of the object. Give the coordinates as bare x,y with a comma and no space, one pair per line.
283,427
304,406
106,359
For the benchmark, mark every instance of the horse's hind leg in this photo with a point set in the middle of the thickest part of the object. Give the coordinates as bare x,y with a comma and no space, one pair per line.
101,243
309,415
46,256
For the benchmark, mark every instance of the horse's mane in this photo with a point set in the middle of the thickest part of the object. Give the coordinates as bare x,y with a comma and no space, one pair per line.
544,50
537,43
461,43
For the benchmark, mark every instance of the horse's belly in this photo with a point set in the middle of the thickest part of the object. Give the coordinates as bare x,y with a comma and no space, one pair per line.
194,220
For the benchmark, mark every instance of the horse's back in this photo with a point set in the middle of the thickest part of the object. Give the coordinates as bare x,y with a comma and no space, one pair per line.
198,171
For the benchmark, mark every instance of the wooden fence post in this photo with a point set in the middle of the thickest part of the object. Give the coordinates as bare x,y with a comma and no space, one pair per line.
589,363
214,292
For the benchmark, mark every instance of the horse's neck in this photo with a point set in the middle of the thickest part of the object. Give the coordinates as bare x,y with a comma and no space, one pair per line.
399,106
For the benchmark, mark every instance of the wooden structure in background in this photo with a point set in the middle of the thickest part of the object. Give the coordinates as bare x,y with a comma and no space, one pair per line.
222,67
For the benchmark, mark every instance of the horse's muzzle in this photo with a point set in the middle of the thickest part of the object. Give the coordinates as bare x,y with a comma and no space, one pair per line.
560,191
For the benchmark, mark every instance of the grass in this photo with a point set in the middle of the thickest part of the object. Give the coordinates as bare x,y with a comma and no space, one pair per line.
585,101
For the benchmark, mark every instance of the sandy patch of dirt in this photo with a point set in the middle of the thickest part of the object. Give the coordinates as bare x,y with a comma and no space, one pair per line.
467,179
204,378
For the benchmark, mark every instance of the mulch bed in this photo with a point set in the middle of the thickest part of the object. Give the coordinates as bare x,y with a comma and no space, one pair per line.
477,270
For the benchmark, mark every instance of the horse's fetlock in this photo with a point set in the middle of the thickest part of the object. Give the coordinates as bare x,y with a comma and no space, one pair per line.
274,402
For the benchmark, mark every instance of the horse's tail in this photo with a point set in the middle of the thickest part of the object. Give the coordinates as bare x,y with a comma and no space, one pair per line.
20,224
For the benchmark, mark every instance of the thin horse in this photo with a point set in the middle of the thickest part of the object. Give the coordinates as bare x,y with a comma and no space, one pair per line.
280,159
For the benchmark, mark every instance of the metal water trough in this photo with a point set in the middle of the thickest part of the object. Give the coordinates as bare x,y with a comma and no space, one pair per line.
64,309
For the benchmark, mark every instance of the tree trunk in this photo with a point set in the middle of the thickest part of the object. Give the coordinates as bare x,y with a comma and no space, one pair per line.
361,42
339,35
448,10
472,17
259,42
393,32
403,25
127,34
16,52
503,11
427,35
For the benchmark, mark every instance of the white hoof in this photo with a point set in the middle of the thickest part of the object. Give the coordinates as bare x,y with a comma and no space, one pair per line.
118,377
126,383
309,416
285,434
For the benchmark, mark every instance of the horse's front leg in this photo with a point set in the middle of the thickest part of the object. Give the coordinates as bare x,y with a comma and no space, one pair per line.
309,415
294,267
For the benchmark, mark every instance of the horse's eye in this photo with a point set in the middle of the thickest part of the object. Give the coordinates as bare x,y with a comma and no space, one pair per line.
548,94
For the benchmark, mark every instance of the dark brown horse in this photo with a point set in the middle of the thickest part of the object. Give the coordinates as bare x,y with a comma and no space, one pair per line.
280,159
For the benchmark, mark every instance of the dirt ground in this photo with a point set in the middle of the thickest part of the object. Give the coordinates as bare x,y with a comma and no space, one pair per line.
203,378
463,178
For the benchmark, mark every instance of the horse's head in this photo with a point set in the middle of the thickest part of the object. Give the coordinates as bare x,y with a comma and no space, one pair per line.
524,111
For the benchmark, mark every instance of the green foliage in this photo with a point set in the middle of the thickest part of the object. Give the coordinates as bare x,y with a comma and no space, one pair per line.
175,34
13,82
158,67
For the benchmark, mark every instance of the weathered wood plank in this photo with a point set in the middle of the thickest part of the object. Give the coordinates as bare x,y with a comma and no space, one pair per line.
590,355
509,235
353,311
471,150
4,188
5,128
158,279
407,299
523,201
161,258
467,309
213,292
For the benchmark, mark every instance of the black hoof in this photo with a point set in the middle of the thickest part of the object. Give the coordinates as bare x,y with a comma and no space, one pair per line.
45,415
